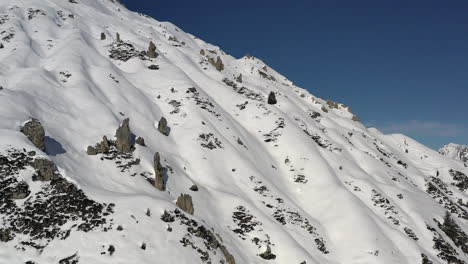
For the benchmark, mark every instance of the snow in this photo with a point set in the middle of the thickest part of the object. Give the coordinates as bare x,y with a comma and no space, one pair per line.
59,71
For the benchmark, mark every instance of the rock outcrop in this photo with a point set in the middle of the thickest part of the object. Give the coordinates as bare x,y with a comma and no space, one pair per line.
152,50
140,141
218,64
105,146
159,173
123,136
272,98
35,133
103,36
185,203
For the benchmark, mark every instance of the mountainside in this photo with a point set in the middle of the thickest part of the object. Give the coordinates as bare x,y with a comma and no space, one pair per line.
455,151
126,140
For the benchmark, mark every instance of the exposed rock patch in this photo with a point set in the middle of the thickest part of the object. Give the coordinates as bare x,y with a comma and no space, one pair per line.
34,131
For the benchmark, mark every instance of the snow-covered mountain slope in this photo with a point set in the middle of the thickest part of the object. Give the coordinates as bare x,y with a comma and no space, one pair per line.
455,151
299,180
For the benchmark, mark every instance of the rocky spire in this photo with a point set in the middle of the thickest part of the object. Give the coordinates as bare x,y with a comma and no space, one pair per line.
123,134
35,133
159,173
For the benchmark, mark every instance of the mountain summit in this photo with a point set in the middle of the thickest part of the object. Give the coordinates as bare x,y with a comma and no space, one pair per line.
126,140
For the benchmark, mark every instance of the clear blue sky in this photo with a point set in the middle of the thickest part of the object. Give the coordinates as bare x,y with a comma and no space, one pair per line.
402,67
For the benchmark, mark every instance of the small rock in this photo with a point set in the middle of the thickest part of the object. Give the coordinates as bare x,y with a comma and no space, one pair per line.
185,203
46,169
194,188
1,46
272,98
35,133
32,153
202,52
124,137
267,254
5,235
119,228
143,246
117,36
153,67
91,150
159,173
162,126
103,36
140,141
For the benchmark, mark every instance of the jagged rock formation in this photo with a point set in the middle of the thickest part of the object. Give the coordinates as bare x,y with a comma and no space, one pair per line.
35,133
152,50
123,137
218,64
184,202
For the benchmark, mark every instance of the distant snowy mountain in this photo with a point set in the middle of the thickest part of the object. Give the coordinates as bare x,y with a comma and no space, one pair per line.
126,140
455,151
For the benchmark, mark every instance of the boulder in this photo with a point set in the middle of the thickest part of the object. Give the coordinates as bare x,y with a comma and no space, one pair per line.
123,134
202,52
159,173
45,169
185,203
272,98
35,133
267,254
194,188
103,36
152,50
91,150
162,126
117,36
140,141
1,46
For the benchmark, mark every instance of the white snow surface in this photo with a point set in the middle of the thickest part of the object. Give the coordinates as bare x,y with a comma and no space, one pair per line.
327,168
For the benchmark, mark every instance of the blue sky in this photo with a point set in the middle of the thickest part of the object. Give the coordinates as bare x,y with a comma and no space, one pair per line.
402,66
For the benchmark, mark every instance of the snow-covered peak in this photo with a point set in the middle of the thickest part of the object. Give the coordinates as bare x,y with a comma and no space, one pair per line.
455,151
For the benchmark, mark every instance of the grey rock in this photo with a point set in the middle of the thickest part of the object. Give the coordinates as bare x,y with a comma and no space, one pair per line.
153,67
123,134
5,235
1,46
117,36
202,52
104,145
162,126
91,150
218,64
272,98
159,173
140,141
185,203
227,255
239,78
194,188
35,133
152,50
103,36
45,169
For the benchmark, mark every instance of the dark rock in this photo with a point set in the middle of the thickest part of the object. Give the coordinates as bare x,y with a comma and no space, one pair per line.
202,52
5,235
194,188
267,254
91,150
153,67
32,153
143,246
140,141
35,133
1,46
117,36
119,228
73,259
272,98
167,217
227,255
162,126
185,203
239,78
152,50
123,134
103,36
45,169
104,145
159,173
111,250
